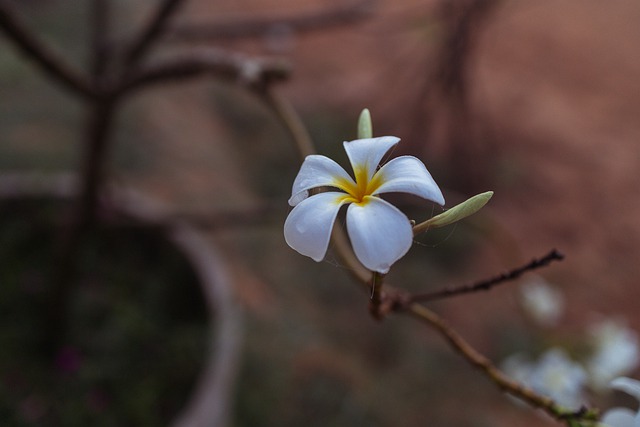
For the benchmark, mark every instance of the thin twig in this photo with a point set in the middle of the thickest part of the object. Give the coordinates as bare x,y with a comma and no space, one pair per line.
259,26
151,32
292,122
376,284
304,145
485,285
461,346
247,70
49,62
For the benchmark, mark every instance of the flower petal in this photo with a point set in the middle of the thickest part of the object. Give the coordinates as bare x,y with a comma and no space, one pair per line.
627,385
308,227
407,174
366,154
618,417
317,171
380,234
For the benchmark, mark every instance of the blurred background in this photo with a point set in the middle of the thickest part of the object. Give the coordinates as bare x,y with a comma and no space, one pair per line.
535,100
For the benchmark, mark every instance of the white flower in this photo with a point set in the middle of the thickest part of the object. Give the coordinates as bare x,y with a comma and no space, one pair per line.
616,352
379,232
554,375
623,417
542,302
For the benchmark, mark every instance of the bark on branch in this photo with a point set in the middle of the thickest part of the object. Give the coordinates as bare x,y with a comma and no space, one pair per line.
224,65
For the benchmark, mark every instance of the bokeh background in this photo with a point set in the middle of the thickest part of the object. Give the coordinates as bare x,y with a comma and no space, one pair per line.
535,100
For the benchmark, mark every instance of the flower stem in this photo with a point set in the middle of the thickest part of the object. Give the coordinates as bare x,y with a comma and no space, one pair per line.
290,120
304,144
376,295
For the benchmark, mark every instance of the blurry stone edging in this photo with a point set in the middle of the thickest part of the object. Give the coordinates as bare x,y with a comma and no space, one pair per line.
210,402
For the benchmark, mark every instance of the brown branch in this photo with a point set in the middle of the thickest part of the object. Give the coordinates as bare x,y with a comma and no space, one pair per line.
376,298
49,62
259,26
151,32
99,122
294,125
485,285
291,121
99,18
213,62
506,384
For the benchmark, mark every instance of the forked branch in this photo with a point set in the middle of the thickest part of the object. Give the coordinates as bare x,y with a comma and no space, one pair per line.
41,54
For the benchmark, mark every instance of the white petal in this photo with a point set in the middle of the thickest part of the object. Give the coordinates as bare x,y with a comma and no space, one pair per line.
407,174
308,227
379,232
367,153
317,171
618,417
628,385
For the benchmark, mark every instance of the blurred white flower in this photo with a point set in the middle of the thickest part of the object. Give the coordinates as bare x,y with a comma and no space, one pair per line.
615,353
623,417
380,233
554,375
542,302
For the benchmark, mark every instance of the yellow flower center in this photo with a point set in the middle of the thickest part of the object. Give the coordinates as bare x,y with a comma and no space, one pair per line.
362,189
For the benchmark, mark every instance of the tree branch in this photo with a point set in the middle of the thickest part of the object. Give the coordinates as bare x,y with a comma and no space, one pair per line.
225,65
485,285
293,124
99,18
52,65
259,26
291,121
462,347
152,32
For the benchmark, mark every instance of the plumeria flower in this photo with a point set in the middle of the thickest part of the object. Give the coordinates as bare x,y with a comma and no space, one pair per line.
554,375
623,417
616,352
542,302
379,232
